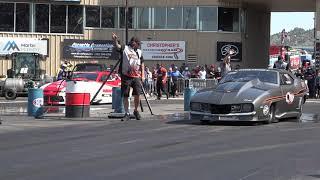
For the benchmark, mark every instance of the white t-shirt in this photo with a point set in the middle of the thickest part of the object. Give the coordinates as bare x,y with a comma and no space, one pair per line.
131,62
202,74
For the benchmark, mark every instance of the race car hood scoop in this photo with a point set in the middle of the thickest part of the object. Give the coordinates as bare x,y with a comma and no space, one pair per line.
239,86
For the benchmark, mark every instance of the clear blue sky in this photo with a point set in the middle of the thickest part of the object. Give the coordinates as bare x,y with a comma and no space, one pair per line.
290,20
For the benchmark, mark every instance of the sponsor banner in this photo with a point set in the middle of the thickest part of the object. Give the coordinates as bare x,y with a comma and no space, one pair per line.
164,50
25,45
89,49
294,62
223,49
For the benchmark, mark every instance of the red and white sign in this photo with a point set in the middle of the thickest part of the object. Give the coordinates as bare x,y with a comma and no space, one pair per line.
294,62
164,50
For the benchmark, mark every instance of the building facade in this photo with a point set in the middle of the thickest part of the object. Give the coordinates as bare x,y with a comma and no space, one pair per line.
173,32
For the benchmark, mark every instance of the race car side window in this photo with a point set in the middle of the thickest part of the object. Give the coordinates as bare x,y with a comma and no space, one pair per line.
286,79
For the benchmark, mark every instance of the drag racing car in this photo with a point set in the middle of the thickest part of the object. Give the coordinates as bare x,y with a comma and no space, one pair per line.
55,92
251,95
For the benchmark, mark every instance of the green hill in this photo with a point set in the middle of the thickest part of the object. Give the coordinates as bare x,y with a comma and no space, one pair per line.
297,37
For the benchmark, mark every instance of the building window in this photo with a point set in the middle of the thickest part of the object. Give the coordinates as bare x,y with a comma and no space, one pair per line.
122,17
160,18
208,20
75,19
42,18
143,18
23,17
228,19
189,18
108,15
93,16
58,19
174,20
7,17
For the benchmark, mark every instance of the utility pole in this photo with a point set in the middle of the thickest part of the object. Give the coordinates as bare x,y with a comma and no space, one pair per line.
126,20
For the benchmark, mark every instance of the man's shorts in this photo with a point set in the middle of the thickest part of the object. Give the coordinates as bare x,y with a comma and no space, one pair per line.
128,82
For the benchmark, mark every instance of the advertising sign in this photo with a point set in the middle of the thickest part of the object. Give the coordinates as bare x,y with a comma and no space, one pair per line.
25,45
223,49
294,62
164,50
89,49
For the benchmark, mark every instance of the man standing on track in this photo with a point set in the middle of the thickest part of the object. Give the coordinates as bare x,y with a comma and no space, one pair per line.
132,73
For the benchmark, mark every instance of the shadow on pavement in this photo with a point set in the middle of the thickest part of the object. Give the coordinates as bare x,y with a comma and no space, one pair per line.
183,118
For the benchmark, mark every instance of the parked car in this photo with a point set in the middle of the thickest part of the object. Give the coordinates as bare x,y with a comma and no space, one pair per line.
251,95
55,92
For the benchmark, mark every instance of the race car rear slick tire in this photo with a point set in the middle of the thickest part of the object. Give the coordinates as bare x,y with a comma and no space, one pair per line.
10,94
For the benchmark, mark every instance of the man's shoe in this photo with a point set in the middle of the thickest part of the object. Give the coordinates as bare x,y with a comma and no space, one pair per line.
137,115
126,117
159,98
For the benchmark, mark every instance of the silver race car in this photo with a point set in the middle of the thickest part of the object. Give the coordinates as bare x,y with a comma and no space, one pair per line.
251,95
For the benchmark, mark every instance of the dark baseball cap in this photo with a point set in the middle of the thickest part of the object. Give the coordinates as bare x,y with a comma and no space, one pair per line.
135,39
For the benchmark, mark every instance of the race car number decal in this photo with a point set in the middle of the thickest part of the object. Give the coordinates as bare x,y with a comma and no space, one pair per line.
289,98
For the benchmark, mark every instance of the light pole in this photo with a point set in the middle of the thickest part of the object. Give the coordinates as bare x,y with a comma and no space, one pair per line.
126,20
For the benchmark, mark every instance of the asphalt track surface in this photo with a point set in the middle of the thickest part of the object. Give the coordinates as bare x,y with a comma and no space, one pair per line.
167,146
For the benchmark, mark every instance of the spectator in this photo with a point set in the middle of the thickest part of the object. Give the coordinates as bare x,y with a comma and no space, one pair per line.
186,73
310,76
62,74
202,73
68,68
211,72
169,79
183,67
280,64
318,85
217,74
148,81
299,73
225,66
174,85
161,81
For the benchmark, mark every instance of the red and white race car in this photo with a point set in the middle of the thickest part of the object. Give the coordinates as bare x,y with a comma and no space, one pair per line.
55,92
